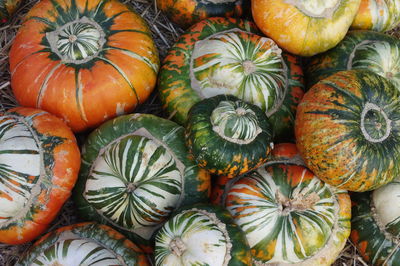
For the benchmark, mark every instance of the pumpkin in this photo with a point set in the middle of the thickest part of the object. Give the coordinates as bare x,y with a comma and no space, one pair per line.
347,130
135,171
84,244
377,15
375,224
303,27
188,12
84,61
288,215
370,50
224,56
7,8
228,136
201,235
39,164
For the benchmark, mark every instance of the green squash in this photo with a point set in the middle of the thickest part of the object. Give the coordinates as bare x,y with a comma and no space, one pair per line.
135,171
376,224
84,244
370,50
228,136
201,235
226,56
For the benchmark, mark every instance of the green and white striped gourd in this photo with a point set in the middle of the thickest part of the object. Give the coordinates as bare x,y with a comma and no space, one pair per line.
376,224
135,171
201,235
84,244
228,136
360,49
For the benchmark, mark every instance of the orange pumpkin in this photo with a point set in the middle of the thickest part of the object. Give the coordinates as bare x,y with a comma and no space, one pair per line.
39,164
84,61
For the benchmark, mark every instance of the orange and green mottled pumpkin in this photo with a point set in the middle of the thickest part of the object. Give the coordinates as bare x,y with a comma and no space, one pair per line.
188,12
225,56
348,130
289,216
375,225
84,244
377,15
201,234
39,164
136,170
361,49
82,60
7,8
304,27
228,136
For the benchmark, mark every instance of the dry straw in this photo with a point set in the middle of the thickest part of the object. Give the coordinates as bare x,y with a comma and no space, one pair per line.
165,34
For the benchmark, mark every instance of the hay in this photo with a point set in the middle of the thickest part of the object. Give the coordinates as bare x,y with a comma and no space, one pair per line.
165,34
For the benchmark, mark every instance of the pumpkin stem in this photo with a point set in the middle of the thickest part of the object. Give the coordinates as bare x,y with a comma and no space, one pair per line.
131,187
300,202
72,38
177,246
248,67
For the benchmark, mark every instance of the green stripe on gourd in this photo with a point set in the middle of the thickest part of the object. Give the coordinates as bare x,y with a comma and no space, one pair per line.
135,171
370,50
376,224
27,161
83,244
241,64
201,235
126,175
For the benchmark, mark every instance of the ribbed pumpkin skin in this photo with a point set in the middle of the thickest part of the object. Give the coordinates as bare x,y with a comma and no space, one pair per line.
84,61
188,12
214,150
182,77
302,27
84,244
135,171
7,8
347,130
201,228
39,164
369,50
375,225
377,15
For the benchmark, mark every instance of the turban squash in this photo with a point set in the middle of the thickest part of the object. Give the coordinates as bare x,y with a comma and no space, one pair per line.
82,60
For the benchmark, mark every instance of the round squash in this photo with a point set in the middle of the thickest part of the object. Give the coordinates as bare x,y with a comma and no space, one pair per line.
370,50
228,136
135,171
224,56
288,215
39,164
7,8
375,226
304,27
201,235
185,13
84,244
347,130
84,61
377,15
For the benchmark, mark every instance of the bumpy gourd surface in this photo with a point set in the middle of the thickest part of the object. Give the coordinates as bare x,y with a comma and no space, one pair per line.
84,244
39,163
84,61
224,56
347,130
376,224
305,27
377,15
136,171
369,50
